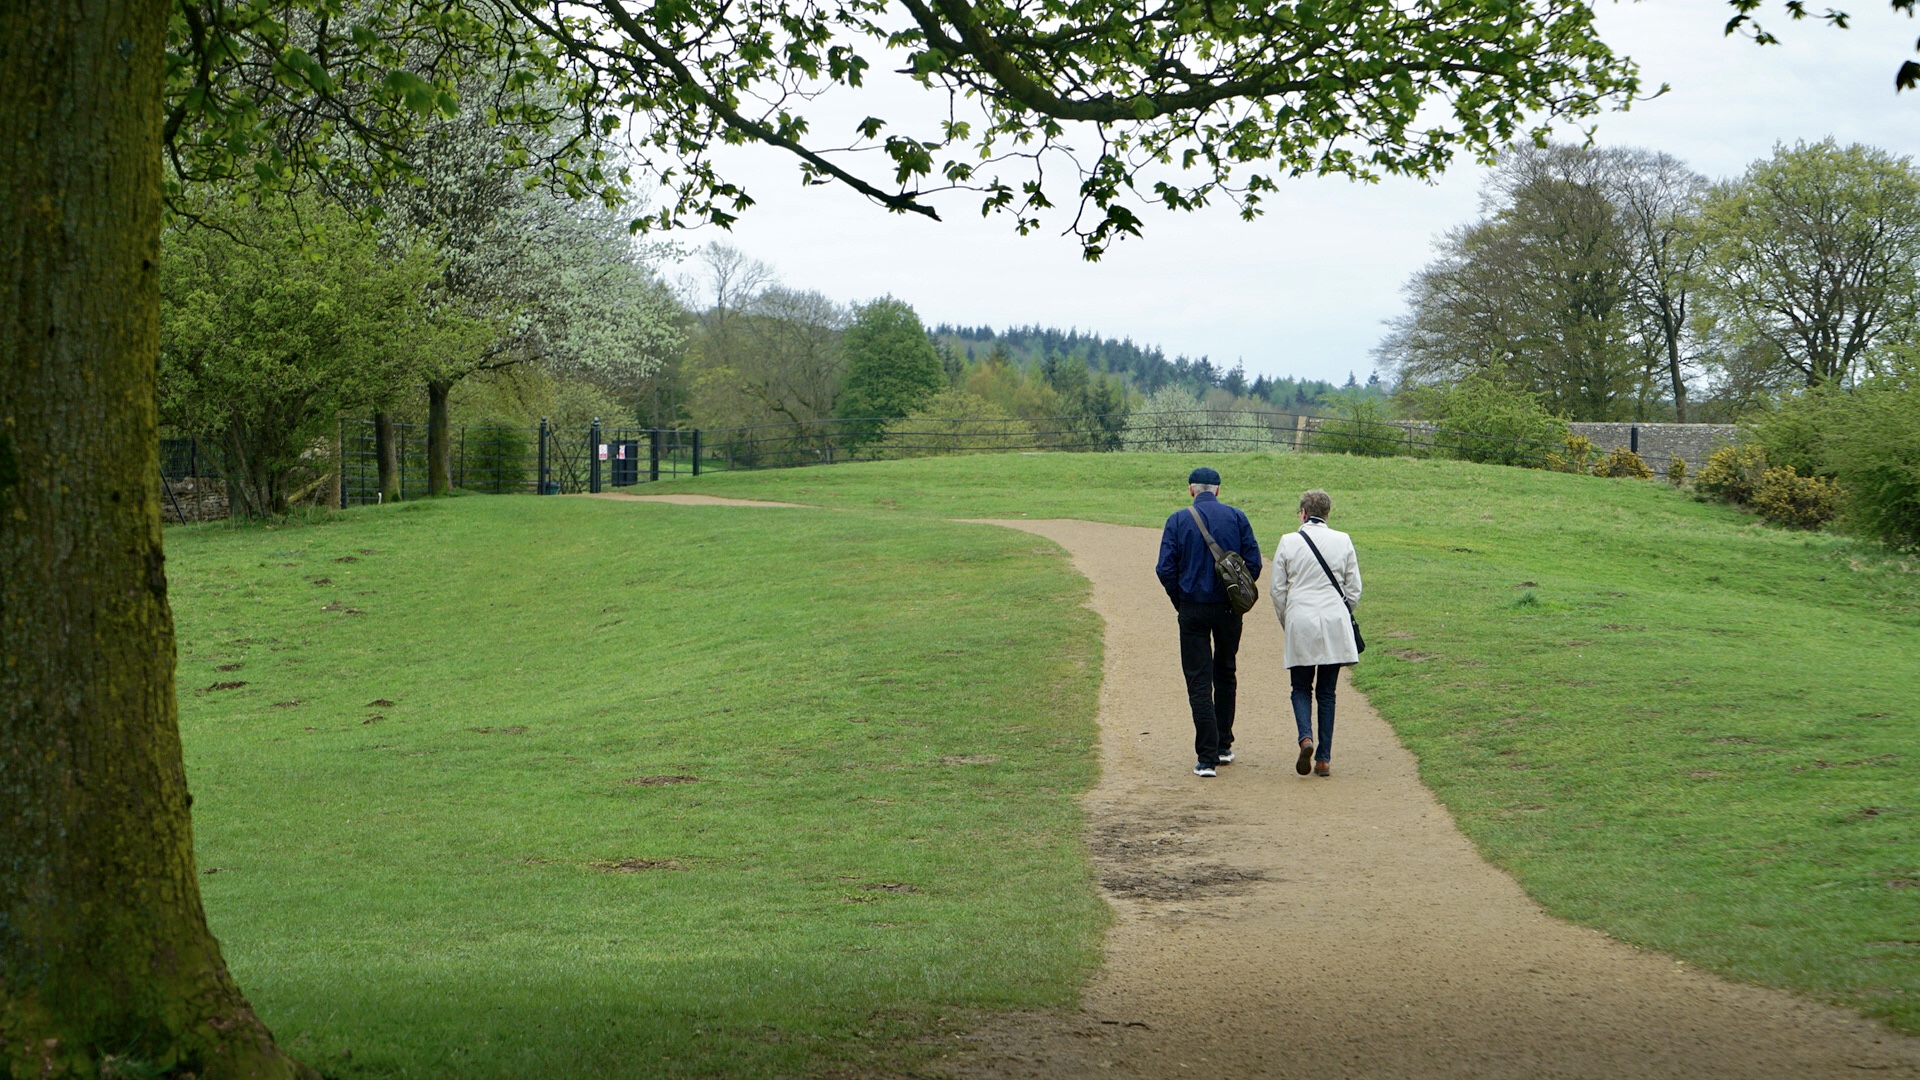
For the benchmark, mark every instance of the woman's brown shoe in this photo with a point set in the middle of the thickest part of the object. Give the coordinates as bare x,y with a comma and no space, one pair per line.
1322,768
1305,764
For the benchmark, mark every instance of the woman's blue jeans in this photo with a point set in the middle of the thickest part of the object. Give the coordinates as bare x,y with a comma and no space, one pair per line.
1315,685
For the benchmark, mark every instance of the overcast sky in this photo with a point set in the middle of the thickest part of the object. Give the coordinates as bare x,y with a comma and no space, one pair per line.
1304,290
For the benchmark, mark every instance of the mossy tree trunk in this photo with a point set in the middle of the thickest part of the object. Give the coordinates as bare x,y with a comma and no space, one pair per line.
106,963
439,438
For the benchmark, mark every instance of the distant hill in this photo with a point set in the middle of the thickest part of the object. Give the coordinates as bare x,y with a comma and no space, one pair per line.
1145,368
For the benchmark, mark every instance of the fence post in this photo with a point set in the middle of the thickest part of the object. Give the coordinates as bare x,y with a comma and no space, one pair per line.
653,454
593,457
696,451
1633,438
541,477
341,475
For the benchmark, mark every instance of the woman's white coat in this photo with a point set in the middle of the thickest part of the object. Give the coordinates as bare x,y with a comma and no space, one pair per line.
1317,625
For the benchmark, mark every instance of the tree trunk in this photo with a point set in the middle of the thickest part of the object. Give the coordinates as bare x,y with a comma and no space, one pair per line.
106,963
439,454
388,454
1673,372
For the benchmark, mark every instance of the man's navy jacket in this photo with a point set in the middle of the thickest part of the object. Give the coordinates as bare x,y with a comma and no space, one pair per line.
1186,564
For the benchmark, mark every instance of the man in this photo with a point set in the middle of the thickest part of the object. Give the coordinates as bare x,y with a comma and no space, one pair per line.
1209,627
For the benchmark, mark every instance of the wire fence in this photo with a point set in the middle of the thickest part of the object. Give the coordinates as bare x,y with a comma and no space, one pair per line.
552,460
548,459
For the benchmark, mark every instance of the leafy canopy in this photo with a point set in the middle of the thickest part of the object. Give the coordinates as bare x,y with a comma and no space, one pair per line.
891,368
1122,105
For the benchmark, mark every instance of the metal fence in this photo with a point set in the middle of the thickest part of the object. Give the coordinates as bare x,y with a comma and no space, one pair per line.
551,460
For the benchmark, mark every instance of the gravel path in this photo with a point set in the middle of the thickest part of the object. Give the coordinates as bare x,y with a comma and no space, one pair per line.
1270,925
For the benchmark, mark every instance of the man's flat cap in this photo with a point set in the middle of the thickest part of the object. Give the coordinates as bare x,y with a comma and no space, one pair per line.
1203,475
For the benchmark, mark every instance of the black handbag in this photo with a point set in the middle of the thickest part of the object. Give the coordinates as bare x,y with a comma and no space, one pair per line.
1235,579
1359,643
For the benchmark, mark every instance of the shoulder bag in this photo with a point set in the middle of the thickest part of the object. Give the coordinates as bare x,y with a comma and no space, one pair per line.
1234,576
1359,643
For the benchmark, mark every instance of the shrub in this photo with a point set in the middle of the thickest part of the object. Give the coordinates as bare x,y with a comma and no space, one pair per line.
956,422
1578,457
1793,429
1623,463
1174,421
1873,448
1360,427
1484,418
1677,470
1731,473
1784,497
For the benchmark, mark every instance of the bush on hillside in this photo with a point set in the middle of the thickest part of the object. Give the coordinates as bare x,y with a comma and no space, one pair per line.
1784,497
1577,457
956,422
1732,473
1873,448
1793,429
1622,463
1677,470
1360,426
1485,418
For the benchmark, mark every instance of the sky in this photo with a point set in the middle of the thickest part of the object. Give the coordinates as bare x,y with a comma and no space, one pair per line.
1305,290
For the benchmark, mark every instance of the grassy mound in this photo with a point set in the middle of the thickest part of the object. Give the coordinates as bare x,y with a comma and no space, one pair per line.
512,787
1667,721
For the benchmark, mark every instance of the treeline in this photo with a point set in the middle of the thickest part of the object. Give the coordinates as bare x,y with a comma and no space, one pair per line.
1618,284
763,354
1144,369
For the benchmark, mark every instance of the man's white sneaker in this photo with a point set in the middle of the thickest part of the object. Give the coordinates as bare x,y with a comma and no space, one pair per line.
1204,769
1226,757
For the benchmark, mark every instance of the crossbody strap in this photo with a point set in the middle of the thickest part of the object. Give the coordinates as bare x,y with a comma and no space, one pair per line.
1205,535
1311,546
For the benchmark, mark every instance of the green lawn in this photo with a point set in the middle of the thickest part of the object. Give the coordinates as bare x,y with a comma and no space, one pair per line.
444,822
1695,732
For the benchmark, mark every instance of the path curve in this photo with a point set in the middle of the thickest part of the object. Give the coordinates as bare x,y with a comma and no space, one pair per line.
1270,925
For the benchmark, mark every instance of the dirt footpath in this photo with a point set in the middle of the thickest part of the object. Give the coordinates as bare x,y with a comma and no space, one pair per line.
1270,925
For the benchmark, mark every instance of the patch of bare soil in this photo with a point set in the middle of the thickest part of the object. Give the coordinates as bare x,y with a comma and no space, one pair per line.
694,500
1272,925
634,866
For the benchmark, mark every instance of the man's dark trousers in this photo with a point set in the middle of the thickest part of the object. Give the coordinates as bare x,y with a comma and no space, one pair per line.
1209,646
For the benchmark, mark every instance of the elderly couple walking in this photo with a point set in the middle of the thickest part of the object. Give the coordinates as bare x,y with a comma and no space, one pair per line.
1314,585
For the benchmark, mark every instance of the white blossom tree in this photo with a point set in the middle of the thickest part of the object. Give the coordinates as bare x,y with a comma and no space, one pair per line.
562,283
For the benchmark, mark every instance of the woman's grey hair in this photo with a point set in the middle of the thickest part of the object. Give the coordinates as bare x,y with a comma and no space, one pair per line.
1316,503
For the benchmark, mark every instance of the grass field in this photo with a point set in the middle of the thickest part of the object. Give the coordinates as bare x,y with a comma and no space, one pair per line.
516,787
1695,732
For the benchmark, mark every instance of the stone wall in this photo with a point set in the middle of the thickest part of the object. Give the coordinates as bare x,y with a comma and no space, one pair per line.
1659,443
195,498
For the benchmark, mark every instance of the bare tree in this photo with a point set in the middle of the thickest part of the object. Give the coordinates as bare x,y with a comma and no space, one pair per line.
1657,195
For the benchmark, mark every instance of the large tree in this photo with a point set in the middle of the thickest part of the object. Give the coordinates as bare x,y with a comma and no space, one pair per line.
104,950
1541,288
560,283
1656,196
1813,255
891,369
106,962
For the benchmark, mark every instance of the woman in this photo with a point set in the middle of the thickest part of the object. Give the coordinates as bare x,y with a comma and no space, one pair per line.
1317,620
